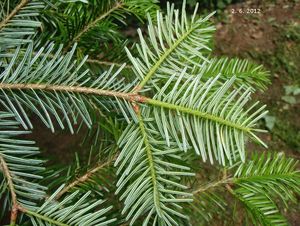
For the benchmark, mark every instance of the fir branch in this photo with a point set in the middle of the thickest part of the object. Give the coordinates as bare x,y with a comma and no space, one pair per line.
259,205
20,26
93,23
42,217
247,73
13,13
15,205
20,169
224,109
132,97
178,47
84,177
92,61
149,182
107,63
211,185
162,59
149,154
67,212
74,89
190,111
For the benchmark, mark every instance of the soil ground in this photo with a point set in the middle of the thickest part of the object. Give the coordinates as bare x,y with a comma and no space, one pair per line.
271,38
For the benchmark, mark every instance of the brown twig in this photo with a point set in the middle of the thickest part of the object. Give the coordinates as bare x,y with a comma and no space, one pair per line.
228,187
107,63
76,89
13,13
84,177
14,210
225,181
90,60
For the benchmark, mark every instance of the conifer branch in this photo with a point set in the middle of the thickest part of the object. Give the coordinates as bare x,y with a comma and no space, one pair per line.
67,213
198,103
8,176
156,195
162,59
75,89
107,63
42,217
132,97
193,112
89,26
13,13
227,181
223,181
84,177
92,61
